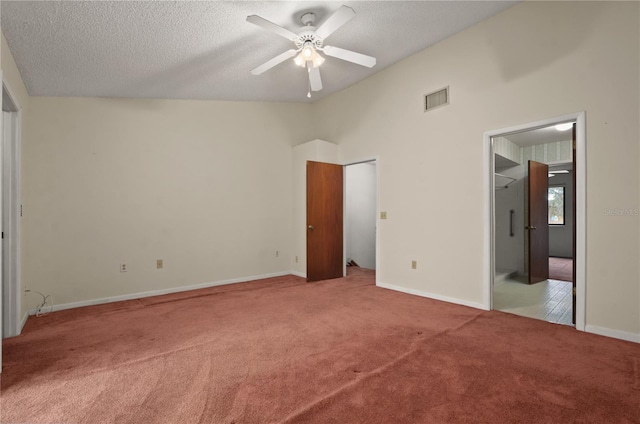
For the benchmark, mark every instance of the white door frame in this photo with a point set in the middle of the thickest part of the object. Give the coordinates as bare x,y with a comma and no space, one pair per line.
1,282
581,212
12,322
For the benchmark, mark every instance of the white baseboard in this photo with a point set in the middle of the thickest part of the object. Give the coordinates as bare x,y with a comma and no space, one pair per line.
141,295
431,295
298,274
616,334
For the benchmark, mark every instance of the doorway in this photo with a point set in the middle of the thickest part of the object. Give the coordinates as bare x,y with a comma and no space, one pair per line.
360,216
11,212
545,205
353,200
506,255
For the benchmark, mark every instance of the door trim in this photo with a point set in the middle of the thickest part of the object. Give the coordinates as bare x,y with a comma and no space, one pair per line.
488,257
11,204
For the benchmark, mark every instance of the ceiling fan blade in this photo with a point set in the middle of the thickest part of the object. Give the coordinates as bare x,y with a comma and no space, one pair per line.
314,78
335,21
273,62
349,56
270,26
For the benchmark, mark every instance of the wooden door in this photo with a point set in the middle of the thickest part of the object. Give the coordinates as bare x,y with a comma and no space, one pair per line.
538,225
324,221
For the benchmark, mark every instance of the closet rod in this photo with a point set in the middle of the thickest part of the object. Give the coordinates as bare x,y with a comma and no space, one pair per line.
507,177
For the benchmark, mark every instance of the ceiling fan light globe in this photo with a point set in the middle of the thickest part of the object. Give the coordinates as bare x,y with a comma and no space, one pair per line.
308,52
318,60
299,60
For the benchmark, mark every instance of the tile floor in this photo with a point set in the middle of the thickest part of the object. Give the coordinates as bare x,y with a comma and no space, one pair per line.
548,300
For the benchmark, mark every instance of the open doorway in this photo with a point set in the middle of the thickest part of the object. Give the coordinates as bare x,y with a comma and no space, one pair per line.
342,205
534,177
511,231
360,216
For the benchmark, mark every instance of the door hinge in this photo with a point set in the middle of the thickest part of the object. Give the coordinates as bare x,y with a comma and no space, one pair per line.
20,210
574,291
3,235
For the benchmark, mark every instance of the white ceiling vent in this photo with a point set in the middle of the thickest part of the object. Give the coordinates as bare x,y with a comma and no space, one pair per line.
436,99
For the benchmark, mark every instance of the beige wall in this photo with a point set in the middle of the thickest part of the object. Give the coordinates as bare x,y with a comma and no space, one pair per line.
205,186
534,61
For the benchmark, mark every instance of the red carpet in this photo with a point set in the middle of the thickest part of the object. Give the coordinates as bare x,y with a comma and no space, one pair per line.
285,351
561,269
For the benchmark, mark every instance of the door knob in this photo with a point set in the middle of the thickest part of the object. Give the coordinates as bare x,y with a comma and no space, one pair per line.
311,227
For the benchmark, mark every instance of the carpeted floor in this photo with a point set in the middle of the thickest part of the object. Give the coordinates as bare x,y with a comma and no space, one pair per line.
561,269
285,351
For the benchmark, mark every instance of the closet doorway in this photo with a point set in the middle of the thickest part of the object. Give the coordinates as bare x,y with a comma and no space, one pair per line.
361,200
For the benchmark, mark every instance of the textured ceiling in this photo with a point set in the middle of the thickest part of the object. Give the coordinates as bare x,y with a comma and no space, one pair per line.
205,50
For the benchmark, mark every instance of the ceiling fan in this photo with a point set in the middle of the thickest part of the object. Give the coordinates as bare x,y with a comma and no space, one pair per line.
309,41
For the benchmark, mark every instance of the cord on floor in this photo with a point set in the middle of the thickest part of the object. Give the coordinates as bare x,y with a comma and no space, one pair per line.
45,299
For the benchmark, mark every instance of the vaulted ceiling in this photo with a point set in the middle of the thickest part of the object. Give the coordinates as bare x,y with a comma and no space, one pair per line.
206,50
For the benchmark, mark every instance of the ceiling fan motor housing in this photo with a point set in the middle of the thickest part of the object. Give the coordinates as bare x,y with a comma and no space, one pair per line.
308,37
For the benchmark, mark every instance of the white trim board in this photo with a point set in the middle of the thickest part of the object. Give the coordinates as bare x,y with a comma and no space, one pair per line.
616,334
11,200
141,295
433,296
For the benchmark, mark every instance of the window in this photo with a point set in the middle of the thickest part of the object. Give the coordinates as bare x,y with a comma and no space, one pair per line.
556,205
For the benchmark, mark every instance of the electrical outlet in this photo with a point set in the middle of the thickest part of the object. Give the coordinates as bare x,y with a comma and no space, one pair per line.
414,264
123,267
159,264
383,215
